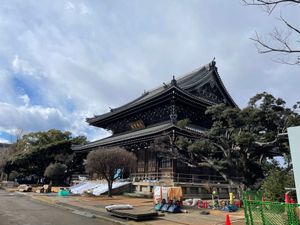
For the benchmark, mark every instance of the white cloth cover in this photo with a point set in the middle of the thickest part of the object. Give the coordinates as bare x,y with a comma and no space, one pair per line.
95,187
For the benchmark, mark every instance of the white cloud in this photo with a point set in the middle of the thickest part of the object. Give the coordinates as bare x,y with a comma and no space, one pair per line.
22,66
7,87
26,99
30,118
78,7
84,9
2,140
70,5
85,64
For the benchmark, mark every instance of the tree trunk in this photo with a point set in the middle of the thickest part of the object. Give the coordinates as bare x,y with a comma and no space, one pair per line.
109,183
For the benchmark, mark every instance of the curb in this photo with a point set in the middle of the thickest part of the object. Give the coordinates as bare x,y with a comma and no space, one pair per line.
43,199
81,212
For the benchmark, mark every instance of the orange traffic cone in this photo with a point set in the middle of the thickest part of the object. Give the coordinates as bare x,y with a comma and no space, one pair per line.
228,220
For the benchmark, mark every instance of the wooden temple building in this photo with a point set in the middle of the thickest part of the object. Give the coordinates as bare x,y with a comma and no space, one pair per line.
155,113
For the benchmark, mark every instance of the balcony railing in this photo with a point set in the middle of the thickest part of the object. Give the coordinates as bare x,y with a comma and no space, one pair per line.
180,178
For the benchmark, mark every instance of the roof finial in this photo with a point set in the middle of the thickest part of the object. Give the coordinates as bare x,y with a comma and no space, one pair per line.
174,81
145,92
213,62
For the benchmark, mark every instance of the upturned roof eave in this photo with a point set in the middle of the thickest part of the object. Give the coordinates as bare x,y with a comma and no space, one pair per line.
135,135
233,103
127,108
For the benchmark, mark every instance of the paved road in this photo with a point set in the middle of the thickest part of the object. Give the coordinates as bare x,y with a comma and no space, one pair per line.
18,209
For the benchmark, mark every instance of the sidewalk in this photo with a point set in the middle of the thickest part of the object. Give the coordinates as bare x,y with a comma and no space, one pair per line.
94,206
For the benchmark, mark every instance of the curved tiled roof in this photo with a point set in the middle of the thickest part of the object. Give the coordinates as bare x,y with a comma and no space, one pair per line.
185,82
142,133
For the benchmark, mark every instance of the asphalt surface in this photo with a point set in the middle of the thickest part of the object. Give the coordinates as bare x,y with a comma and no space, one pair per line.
18,209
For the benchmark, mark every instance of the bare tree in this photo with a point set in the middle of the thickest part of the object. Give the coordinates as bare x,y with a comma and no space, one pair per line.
19,132
107,161
284,42
3,161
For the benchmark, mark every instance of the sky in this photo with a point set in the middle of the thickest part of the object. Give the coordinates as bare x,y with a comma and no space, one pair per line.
62,61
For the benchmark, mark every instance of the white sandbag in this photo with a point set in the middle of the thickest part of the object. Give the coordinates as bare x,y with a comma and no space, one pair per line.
116,207
195,201
188,202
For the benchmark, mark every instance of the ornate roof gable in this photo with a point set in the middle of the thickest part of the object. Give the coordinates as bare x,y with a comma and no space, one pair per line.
206,83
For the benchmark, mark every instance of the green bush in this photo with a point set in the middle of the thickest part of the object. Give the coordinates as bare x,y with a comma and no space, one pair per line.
56,172
275,183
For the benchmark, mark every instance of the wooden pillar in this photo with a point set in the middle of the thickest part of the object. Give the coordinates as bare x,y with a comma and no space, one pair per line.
146,161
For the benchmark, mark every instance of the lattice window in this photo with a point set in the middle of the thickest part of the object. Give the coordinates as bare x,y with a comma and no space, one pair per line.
166,163
151,161
141,161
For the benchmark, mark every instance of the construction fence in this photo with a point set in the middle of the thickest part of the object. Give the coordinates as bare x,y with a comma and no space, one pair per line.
259,212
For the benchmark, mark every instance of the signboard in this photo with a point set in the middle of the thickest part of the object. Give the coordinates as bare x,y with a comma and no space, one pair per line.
157,194
294,140
166,193
139,124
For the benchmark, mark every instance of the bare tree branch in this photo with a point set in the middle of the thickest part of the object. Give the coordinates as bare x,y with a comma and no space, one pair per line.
282,40
269,48
268,2
284,47
290,26
269,5
283,61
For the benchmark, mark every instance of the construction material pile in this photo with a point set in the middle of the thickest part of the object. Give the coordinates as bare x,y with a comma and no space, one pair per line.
24,188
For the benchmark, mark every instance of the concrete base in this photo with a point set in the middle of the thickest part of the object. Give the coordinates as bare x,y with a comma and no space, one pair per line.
190,190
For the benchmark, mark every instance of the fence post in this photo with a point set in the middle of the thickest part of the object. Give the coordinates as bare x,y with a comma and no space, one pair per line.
262,213
292,214
246,211
250,213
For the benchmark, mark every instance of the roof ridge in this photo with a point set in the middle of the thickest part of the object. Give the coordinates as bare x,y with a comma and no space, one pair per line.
198,69
185,75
